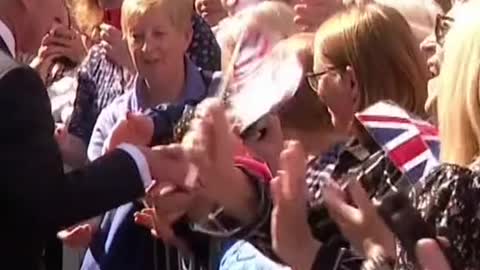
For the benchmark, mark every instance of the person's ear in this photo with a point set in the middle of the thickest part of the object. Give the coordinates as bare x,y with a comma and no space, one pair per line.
352,84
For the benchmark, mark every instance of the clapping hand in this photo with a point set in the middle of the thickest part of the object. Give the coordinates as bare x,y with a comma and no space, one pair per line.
359,221
291,235
59,42
115,46
310,14
70,40
210,145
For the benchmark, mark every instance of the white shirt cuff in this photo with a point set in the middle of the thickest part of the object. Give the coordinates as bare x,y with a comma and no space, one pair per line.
140,160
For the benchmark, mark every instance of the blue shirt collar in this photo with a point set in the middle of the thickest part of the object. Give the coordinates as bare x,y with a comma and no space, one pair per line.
194,89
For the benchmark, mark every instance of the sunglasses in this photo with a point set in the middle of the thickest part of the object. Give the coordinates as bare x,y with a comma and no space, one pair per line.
313,77
442,26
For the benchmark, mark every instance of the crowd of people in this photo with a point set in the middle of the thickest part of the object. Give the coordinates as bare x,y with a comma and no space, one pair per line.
241,134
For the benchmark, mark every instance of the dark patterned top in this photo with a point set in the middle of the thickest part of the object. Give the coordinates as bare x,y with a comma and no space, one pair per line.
100,81
319,170
352,159
450,202
204,49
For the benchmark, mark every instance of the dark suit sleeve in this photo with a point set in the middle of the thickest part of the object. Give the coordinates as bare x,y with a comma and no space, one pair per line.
31,166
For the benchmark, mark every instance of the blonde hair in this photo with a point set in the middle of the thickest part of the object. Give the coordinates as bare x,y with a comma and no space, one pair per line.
458,97
88,14
179,12
378,44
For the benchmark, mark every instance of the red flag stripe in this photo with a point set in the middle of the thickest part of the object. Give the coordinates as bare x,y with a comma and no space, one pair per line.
259,45
424,127
381,118
407,151
428,130
251,64
247,66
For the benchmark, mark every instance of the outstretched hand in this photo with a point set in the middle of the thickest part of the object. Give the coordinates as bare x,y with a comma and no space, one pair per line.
115,46
80,235
168,164
210,146
166,204
291,235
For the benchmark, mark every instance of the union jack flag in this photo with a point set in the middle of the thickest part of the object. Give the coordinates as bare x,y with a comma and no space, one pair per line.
253,46
264,76
411,144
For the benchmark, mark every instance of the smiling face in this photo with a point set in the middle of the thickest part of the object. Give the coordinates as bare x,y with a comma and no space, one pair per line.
374,57
157,46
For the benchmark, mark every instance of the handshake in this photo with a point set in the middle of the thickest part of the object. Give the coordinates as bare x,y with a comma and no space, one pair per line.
187,176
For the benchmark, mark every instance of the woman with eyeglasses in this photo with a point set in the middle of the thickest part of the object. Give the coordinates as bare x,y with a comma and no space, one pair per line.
449,199
362,56
366,55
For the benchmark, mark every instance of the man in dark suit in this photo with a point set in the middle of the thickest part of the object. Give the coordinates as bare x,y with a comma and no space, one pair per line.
37,197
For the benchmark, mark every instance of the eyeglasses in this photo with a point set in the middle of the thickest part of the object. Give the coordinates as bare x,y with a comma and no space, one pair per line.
313,77
442,26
